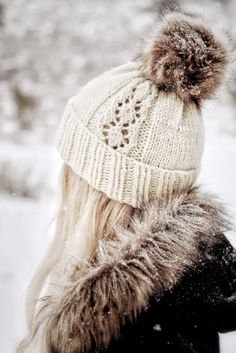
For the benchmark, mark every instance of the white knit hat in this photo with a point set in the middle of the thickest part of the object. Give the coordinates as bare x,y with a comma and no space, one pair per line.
136,132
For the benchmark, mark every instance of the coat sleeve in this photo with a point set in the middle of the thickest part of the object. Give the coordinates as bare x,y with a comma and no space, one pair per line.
223,301
206,295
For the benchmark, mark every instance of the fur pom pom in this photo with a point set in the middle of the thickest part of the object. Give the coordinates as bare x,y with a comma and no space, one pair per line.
186,57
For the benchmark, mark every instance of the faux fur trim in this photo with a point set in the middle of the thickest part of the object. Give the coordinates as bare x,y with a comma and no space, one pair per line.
85,313
186,57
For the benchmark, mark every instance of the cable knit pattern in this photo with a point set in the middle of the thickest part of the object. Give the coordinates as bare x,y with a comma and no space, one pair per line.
134,143
134,132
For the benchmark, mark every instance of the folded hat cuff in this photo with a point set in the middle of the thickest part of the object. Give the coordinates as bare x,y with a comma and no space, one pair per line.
120,177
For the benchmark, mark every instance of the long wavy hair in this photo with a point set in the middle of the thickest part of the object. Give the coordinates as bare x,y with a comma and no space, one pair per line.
84,215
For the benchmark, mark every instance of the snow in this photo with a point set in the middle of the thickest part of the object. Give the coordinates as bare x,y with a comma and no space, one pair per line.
47,53
26,169
218,170
24,238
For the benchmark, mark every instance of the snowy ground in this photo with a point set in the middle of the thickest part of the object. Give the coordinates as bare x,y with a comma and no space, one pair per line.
26,232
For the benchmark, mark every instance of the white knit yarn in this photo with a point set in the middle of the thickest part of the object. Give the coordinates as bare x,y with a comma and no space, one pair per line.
129,140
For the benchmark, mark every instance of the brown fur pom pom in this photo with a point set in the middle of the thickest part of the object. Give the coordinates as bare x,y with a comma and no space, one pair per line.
186,57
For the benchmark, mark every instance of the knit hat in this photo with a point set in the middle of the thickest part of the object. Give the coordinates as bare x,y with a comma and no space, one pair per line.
136,131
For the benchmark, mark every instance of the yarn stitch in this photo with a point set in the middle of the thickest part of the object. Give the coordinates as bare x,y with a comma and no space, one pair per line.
119,127
135,132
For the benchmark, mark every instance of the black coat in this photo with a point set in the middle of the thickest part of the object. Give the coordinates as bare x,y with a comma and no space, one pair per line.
167,284
189,317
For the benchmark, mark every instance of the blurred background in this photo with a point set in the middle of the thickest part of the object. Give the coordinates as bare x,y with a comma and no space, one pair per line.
48,49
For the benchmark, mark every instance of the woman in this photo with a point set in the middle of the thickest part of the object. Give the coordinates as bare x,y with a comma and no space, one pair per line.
140,262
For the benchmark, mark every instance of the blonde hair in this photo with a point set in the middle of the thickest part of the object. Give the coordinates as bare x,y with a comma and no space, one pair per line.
84,216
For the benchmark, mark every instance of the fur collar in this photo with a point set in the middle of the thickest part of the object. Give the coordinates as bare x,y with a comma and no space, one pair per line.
87,312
